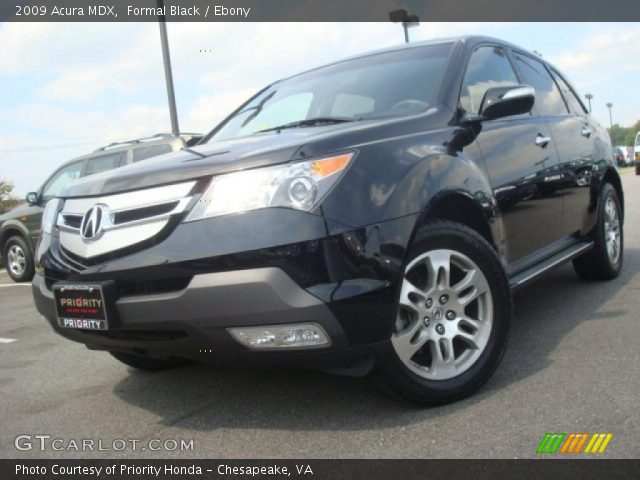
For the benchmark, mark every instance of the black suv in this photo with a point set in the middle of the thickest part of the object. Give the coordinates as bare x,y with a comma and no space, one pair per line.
378,208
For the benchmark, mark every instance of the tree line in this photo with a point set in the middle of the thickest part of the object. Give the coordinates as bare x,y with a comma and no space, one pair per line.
624,135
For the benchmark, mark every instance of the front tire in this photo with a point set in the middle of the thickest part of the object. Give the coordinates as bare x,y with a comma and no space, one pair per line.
604,260
453,317
148,364
18,259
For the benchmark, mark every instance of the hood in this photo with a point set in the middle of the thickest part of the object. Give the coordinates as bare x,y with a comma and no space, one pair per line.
268,148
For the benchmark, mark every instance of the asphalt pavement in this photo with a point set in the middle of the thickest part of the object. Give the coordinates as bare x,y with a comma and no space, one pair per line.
572,365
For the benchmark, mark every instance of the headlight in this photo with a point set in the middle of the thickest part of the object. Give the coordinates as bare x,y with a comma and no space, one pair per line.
300,185
50,213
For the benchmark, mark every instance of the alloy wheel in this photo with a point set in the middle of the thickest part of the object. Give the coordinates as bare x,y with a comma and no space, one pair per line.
16,260
612,230
445,315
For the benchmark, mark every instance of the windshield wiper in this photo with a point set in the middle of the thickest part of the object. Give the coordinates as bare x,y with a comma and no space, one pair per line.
310,122
257,109
193,152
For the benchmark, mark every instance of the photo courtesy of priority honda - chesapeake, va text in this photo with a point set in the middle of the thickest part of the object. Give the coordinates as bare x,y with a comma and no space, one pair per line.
376,212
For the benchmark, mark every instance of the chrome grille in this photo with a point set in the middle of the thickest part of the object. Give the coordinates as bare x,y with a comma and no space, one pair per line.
126,218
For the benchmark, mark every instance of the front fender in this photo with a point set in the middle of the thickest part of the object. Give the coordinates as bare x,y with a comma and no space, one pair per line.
403,176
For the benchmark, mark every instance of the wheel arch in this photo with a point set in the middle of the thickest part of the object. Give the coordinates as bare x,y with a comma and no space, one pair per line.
462,207
11,229
612,176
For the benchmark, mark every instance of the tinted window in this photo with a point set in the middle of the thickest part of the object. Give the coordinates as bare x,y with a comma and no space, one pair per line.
548,98
277,112
105,162
488,67
575,106
393,83
348,105
62,177
141,153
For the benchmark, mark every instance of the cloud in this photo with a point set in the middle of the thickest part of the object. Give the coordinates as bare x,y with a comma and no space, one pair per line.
88,83
80,62
90,124
599,57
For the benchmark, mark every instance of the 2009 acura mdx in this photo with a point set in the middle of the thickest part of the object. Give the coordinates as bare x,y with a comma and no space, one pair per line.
382,207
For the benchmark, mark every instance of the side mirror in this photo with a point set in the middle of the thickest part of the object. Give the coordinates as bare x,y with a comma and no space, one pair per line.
33,198
501,102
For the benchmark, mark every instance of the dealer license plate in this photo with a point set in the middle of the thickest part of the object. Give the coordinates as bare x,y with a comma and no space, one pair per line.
80,306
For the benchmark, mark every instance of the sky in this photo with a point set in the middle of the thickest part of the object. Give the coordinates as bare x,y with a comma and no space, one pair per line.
67,89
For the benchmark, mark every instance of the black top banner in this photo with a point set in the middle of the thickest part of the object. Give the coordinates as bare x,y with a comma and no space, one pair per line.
315,10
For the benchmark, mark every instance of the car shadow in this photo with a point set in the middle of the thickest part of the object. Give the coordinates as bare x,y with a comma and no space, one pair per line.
205,398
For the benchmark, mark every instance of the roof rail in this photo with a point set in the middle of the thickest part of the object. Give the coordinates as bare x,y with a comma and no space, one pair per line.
157,136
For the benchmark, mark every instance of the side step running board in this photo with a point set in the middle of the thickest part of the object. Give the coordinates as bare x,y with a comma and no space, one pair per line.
519,280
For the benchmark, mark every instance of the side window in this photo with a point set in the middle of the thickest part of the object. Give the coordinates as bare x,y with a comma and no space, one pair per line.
142,153
62,177
488,67
105,162
548,98
575,105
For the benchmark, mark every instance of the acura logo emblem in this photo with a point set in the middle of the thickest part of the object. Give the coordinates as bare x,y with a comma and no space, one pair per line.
93,222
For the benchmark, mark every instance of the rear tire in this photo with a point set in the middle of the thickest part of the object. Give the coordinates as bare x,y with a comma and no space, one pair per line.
468,307
604,261
148,364
18,259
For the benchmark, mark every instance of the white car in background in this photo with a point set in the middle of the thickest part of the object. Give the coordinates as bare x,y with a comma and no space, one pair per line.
623,156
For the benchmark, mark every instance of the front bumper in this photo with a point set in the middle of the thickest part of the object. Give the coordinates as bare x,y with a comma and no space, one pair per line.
179,296
192,323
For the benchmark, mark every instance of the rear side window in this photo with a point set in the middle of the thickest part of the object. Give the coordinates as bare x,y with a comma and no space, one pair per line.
575,106
548,98
142,153
105,162
488,67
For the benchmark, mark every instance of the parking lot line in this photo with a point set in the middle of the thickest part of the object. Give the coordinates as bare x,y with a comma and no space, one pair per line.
15,285
7,340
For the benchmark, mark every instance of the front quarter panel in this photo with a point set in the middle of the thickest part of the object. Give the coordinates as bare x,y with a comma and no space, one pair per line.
403,176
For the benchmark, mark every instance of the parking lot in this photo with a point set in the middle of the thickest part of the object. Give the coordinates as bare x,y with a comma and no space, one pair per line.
573,365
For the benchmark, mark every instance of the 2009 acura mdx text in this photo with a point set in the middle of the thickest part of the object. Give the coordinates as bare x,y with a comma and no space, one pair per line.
379,208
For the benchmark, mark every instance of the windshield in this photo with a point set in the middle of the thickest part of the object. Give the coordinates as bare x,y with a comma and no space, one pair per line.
62,177
387,84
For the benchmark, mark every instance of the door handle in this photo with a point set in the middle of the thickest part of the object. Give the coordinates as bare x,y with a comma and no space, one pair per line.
542,141
586,132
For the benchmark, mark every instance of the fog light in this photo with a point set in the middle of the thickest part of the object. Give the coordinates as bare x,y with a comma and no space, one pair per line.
281,336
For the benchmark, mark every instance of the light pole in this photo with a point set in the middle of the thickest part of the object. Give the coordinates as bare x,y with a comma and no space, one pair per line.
609,106
589,96
168,75
401,16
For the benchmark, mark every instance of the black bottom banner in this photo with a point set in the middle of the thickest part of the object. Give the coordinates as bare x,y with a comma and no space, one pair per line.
319,469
